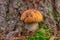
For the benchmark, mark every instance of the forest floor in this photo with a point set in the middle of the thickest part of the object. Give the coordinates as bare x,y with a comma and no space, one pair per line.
11,25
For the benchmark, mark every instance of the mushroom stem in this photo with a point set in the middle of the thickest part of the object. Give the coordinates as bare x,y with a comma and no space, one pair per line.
32,26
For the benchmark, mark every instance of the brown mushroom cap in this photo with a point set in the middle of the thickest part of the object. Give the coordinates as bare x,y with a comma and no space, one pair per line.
31,16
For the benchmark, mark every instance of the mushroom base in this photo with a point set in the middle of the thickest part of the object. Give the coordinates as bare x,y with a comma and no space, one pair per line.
29,29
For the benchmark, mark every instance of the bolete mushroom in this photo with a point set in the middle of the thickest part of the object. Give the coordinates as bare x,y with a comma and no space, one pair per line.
31,18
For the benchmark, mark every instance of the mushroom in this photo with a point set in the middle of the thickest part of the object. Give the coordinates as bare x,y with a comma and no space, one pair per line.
31,19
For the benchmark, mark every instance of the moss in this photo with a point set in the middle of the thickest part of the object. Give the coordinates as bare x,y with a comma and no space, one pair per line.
53,13
42,34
